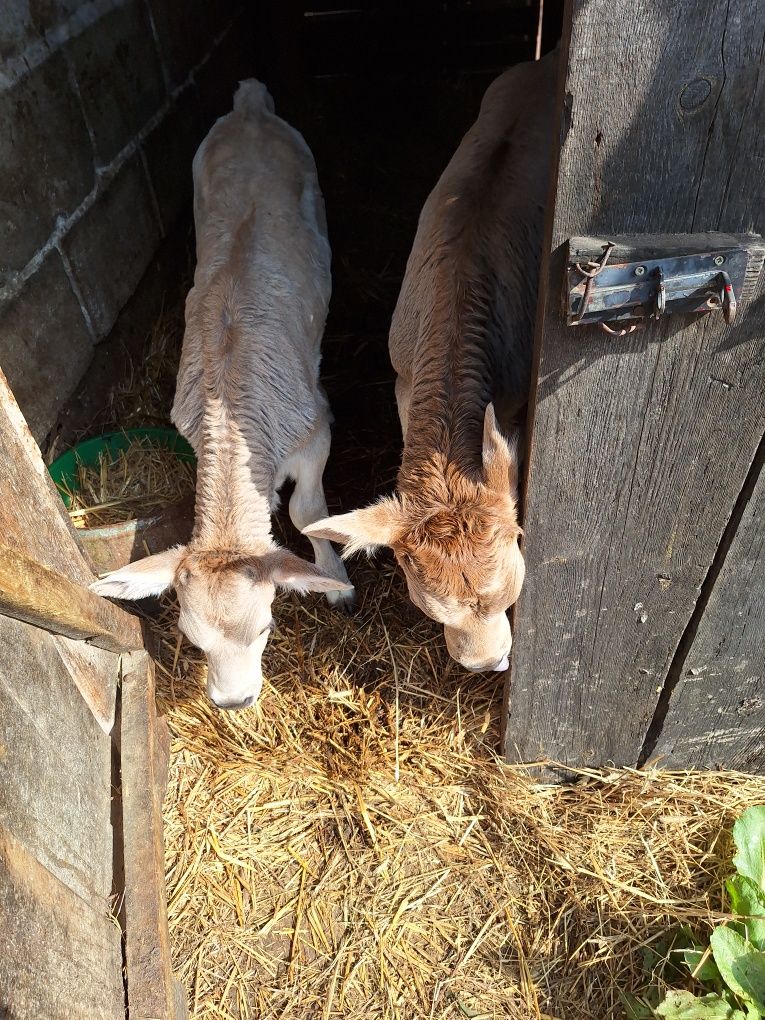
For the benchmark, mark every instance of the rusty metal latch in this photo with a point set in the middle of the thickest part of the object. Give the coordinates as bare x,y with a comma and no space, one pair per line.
623,282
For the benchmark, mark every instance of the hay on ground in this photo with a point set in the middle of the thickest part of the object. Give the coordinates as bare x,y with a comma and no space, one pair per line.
129,485
353,847
144,393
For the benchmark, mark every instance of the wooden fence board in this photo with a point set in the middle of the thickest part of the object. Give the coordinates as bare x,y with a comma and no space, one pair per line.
61,956
45,569
55,764
94,671
639,445
716,714
32,516
153,992
43,597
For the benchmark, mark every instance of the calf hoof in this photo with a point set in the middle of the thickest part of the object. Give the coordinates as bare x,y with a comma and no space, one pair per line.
343,601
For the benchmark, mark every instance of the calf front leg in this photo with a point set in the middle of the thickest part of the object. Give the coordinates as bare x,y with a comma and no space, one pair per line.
308,505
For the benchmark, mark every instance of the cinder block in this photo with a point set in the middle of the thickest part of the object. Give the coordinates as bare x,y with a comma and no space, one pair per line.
170,150
45,345
23,23
186,32
17,28
50,13
46,161
119,75
111,246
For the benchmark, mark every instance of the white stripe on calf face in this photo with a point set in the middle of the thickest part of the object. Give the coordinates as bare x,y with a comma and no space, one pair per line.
235,675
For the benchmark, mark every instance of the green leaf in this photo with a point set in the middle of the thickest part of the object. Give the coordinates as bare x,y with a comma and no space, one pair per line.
707,972
685,1006
741,965
663,959
656,954
748,900
749,837
635,1008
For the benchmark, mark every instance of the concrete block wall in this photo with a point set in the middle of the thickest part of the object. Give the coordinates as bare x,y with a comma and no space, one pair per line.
102,106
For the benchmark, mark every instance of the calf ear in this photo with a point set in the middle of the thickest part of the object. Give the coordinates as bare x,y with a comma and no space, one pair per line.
376,525
149,576
501,456
288,571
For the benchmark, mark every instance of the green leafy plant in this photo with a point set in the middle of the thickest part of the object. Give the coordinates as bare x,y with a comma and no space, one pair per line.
731,969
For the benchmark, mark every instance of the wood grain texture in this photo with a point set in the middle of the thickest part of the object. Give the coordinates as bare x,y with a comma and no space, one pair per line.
55,764
35,526
95,672
716,716
153,992
61,957
61,952
32,516
639,445
38,595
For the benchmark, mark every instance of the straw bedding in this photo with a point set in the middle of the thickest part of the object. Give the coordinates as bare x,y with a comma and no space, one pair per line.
134,483
352,847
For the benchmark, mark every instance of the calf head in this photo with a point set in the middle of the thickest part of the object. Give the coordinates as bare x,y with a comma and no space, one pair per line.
456,539
225,606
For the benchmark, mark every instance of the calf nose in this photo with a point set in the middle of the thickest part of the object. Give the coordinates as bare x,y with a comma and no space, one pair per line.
500,667
233,706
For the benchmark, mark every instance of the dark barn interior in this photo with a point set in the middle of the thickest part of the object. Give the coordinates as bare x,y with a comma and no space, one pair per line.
382,92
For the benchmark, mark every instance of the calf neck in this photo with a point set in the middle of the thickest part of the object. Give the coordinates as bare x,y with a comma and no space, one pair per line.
248,396
461,343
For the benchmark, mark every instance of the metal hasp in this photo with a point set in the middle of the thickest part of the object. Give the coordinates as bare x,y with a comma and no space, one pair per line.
623,282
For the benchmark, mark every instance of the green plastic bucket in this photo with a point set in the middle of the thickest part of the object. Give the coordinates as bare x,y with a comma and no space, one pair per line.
63,470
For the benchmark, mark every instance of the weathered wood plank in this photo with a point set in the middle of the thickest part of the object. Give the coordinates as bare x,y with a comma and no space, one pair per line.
34,524
55,764
32,516
61,957
639,445
45,598
716,714
95,672
153,992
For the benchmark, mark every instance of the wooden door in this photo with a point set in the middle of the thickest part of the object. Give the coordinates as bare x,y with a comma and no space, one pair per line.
643,448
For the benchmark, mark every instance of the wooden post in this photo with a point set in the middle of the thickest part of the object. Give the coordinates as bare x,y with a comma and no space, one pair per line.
60,950
43,597
153,992
639,445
